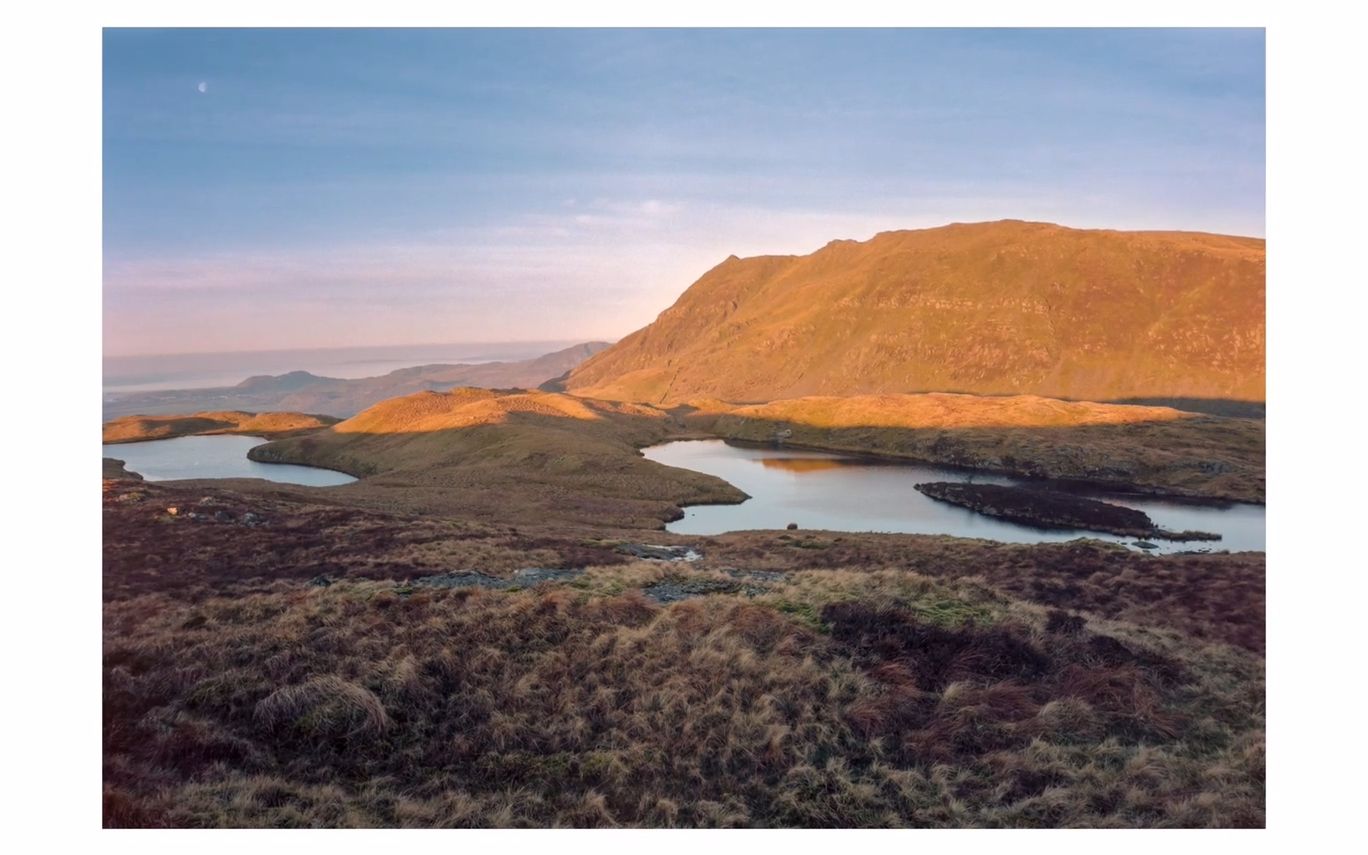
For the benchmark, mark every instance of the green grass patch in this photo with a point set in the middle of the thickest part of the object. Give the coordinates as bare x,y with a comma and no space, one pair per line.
950,612
808,614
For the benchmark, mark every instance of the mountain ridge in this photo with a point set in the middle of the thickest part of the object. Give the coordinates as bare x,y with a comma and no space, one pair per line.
306,392
1007,307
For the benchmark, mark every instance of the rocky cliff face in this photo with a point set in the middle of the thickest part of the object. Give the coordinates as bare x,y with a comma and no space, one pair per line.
988,308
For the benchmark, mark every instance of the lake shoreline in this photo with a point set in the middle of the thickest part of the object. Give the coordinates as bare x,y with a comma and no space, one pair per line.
822,489
1069,485
193,455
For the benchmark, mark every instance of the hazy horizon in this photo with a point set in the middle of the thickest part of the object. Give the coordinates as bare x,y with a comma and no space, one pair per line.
557,343
270,190
126,373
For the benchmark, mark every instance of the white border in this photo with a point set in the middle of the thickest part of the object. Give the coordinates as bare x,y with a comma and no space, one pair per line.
51,65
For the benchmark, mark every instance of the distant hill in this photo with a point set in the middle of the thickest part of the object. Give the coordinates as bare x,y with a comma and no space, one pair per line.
270,425
304,392
987,308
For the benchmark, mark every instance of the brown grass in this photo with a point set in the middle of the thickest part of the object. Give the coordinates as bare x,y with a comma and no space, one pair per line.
1215,597
323,708
923,683
556,707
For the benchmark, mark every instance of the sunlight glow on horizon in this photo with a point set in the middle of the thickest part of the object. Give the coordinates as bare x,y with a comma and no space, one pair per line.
383,187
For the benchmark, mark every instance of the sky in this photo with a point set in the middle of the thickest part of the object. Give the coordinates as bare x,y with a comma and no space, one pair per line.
273,189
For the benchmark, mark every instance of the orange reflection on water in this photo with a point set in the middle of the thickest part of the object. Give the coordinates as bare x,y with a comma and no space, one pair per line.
801,464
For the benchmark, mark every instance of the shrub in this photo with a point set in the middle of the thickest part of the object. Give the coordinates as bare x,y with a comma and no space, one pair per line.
324,707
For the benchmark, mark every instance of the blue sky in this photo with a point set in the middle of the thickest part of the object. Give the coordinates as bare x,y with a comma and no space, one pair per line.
270,189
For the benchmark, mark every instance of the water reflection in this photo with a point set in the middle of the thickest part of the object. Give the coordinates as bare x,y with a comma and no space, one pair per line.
818,490
214,457
803,464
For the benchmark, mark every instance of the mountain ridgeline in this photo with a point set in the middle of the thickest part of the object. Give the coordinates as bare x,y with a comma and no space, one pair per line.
302,391
986,308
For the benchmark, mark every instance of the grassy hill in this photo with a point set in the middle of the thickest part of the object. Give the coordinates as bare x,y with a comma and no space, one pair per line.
1153,449
991,308
512,456
537,457
269,425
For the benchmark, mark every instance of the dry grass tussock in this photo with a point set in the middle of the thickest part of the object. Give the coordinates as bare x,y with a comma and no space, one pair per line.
297,671
828,698
1217,598
326,707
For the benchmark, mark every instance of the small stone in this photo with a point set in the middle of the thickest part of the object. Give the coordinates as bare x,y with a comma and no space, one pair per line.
792,526
173,511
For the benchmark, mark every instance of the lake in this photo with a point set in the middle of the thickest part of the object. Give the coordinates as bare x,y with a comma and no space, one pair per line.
214,457
819,490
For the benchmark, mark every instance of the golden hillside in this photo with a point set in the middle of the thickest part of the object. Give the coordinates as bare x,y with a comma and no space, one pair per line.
1150,449
270,425
988,308
506,455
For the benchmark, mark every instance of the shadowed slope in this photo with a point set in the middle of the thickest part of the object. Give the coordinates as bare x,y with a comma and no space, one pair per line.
991,308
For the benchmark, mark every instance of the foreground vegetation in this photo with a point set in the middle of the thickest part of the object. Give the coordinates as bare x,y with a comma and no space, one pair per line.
472,634
275,661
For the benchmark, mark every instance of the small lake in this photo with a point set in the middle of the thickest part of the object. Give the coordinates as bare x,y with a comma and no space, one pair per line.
818,490
214,457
